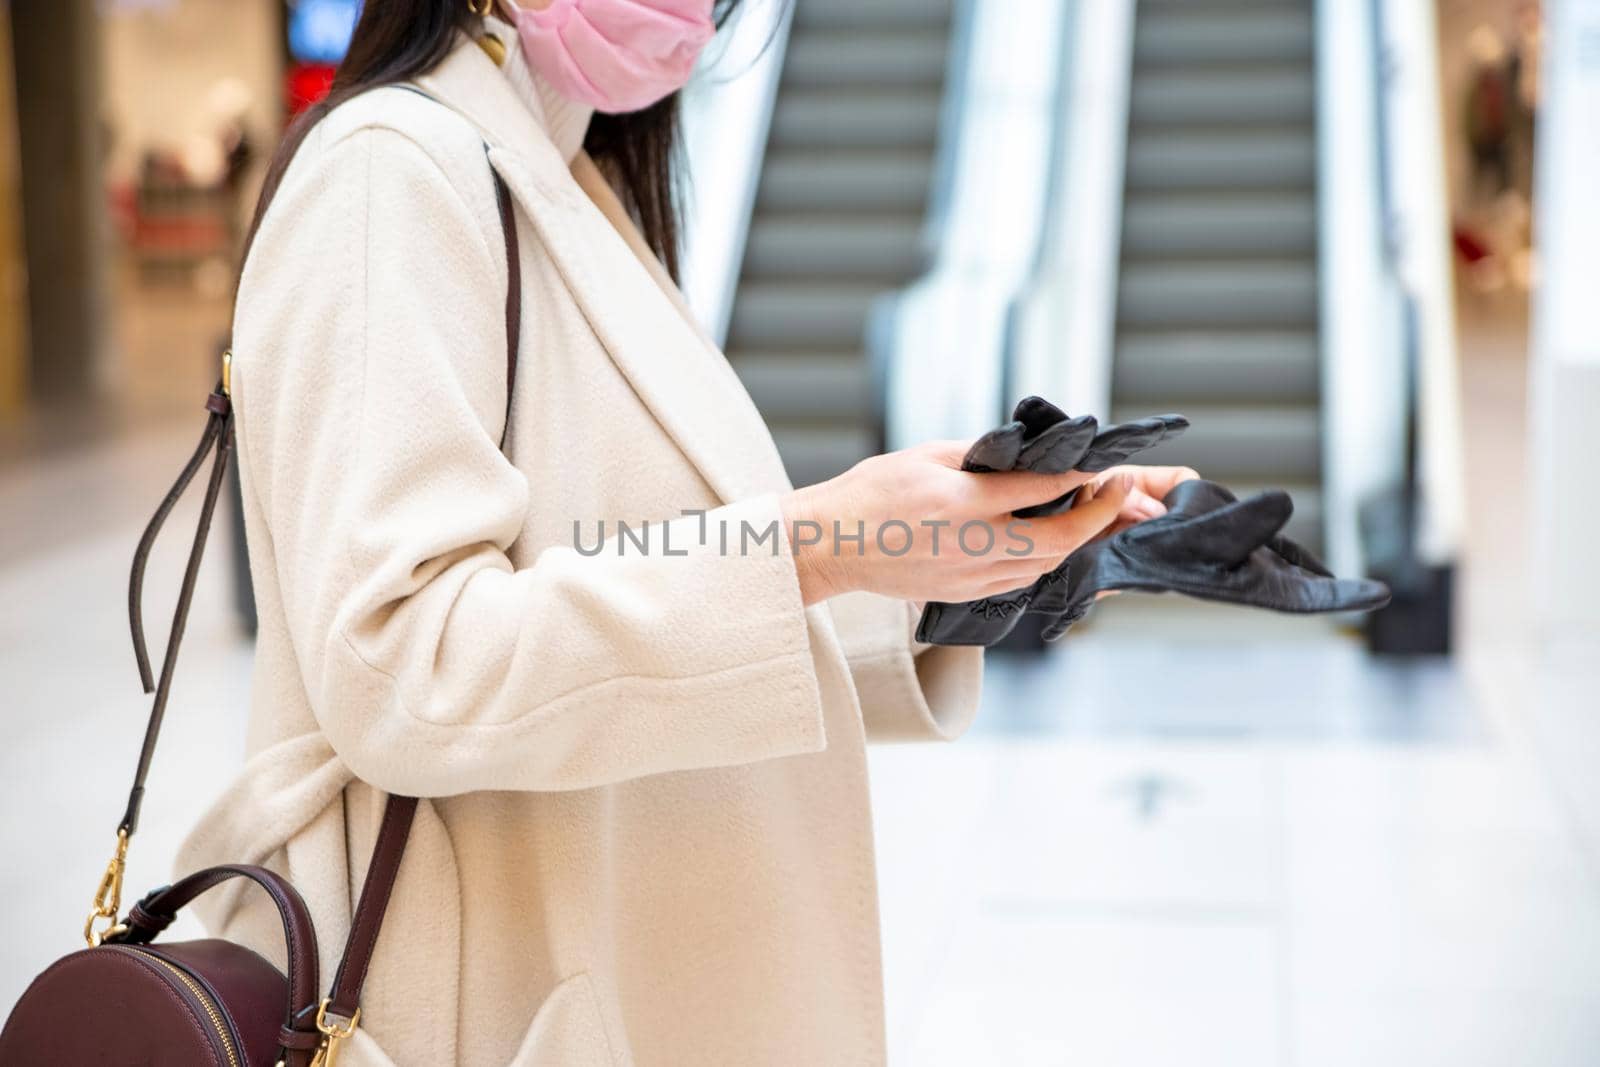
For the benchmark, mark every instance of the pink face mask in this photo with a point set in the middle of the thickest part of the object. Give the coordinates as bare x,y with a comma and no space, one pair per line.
616,55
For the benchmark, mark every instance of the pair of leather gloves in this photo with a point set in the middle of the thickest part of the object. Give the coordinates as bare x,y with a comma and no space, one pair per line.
1209,545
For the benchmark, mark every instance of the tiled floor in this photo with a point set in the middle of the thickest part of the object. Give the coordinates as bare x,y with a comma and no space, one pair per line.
1164,844
1235,902
1184,840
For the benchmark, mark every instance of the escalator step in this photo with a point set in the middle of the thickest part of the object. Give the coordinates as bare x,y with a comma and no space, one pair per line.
807,385
877,250
1239,445
894,58
821,119
1192,366
812,16
799,316
1223,159
1221,293
865,183
1189,33
1219,224
1247,95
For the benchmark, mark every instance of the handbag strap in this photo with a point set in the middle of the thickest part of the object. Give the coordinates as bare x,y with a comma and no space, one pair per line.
218,435
344,999
508,227
159,909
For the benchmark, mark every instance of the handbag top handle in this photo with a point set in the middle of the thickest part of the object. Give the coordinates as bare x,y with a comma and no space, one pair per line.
344,999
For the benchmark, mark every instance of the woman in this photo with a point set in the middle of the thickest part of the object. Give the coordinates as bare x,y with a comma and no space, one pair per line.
645,834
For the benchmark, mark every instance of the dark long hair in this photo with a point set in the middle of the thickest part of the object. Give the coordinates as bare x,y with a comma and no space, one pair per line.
396,40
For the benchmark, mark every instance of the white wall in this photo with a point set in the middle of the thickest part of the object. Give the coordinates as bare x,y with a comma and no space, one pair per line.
1565,373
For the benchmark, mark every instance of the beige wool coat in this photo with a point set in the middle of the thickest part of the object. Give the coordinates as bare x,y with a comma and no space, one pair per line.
645,834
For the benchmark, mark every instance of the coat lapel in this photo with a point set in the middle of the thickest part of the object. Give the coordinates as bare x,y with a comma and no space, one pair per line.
623,292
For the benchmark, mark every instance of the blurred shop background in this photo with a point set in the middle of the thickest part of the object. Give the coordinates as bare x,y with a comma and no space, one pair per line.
1353,240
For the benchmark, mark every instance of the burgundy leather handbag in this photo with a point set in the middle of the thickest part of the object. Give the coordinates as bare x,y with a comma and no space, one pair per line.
129,1000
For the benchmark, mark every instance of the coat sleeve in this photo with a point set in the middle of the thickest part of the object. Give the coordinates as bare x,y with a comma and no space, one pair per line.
369,380
909,691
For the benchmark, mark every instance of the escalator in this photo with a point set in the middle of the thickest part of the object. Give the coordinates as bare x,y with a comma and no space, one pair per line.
839,218
1217,310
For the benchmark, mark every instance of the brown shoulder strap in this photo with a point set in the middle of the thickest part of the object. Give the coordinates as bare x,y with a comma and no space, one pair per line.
508,227
345,998
218,434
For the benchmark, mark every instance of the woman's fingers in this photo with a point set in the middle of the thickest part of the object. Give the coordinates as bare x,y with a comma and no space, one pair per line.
1013,490
1154,482
1140,506
1003,493
967,541
1061,535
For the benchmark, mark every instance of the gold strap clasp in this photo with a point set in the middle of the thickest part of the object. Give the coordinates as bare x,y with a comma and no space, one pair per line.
332,1033
108,898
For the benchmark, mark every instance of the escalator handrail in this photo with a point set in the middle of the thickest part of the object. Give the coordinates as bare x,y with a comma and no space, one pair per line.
1061,332
953,108
937,346
882,320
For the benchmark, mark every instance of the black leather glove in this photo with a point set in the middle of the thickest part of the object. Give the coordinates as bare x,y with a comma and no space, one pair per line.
1209,545
1045,440
1040,437
1111,446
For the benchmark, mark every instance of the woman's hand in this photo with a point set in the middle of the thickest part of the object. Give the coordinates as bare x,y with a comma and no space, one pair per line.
1150,487
913,525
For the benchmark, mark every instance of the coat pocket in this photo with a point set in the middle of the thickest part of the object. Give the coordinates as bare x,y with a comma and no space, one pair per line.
569,1030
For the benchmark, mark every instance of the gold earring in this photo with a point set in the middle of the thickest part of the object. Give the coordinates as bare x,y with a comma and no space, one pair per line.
480,7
